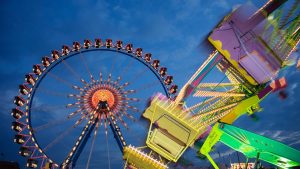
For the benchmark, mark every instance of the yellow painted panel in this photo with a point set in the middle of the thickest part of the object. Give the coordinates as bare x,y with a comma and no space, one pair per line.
162,140
174,128
240,109
140,160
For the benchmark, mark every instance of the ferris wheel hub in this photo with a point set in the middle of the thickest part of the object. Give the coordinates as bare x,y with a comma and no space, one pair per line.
103,95
105,91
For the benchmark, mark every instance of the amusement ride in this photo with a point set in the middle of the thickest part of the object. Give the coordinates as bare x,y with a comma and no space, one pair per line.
107,87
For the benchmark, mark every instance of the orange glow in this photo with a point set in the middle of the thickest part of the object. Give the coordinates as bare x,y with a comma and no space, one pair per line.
103,95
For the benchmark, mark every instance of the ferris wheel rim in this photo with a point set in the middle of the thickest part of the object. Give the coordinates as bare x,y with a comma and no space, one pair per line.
73,53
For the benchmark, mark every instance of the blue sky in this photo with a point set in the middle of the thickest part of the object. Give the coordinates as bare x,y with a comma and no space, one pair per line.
173,31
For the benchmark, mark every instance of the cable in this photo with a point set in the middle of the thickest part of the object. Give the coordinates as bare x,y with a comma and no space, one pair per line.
108,156
92,147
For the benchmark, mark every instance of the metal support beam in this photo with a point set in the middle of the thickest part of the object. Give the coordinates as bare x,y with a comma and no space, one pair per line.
117,133
83,143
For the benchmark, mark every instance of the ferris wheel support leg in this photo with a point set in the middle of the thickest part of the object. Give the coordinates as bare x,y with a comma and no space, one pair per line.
117,133
83,143
74,154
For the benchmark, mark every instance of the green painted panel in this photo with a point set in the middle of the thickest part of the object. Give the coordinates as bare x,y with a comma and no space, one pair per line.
250,144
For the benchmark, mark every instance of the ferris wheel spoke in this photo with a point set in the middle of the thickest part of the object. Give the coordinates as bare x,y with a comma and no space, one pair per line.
60,137
50,124
107,148
76,96
116,82
78,88
70,68
131,99
128,65
148,86
80,142
109,77
138,75
105,122
129,92
129,116
52,93
76,104
101,77
74,113
113,64
123,85
79,121
60,79
92,146
86,66
121,120
133,108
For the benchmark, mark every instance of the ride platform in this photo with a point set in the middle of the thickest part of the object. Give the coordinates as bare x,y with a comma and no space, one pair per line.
136,159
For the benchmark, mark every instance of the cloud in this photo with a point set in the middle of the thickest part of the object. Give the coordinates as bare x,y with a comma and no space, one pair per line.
222,4
223,154
6,100
290,138
293,87
171,30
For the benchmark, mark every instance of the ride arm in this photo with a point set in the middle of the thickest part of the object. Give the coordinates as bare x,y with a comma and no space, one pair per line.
117,133
211,140
247,105
190,87
251,104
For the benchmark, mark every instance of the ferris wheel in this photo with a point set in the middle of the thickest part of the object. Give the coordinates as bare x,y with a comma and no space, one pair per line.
84,101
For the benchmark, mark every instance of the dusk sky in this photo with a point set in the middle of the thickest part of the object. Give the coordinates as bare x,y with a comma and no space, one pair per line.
173,31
